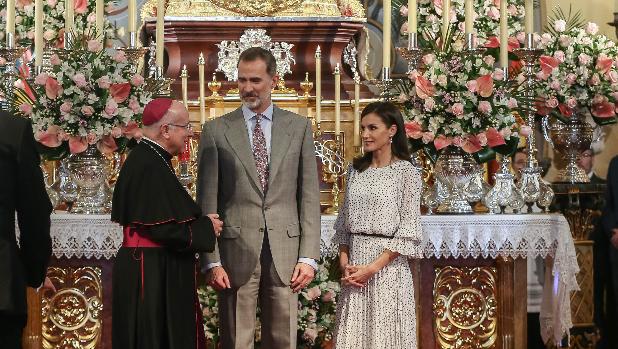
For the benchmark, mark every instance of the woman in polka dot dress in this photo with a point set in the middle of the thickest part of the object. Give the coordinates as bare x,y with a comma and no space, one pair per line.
378,229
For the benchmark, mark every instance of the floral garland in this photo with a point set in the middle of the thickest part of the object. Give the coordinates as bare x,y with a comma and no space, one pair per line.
92,96
316,308
53,20
460,99
579,70
486,18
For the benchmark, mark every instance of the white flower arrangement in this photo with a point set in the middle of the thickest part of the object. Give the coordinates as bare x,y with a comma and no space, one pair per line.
578,70
461,100
92,96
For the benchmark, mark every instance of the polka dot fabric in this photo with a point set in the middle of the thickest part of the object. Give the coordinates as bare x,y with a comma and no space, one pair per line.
382,204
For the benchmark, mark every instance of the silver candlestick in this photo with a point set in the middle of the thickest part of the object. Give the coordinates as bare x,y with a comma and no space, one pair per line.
385,85
12,54
412,54
531,184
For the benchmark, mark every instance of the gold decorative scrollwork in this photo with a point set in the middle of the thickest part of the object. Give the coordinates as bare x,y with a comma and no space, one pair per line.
260,8
465,307
257,8
582,301
581,222
72,316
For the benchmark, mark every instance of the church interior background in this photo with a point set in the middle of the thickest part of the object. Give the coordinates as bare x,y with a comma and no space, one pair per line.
334,58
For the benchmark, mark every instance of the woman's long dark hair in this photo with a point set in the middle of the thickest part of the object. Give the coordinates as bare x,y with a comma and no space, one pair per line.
390,115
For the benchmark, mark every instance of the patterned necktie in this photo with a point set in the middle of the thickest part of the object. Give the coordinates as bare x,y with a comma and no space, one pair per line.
260,154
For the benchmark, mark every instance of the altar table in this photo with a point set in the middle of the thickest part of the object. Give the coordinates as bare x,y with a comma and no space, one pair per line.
475,265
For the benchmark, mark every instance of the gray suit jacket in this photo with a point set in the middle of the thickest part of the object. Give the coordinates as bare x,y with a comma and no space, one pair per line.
228,184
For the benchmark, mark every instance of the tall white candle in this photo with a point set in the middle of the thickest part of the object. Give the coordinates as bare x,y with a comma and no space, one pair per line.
529,16
10,16
356,136
200,64
100,16
318,85
183,76
159,32
504,35
38,33
337,100
132,16
446,21
386,34
69,16
469,14
412,17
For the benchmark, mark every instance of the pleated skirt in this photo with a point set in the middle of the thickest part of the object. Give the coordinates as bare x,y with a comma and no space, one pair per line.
381,315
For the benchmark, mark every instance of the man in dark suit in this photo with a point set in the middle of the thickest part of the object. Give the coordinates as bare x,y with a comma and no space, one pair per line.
22,191
608,233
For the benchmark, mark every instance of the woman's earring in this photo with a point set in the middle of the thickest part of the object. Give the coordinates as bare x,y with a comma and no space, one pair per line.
390,139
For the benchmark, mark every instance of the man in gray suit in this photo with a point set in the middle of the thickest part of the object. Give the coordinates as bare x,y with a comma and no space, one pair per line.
257,170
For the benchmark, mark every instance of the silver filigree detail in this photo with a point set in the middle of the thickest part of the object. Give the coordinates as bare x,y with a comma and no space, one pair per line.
349,57
330,158
229,52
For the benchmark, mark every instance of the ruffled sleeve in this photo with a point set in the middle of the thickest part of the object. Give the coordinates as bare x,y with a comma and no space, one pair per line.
341,226
407,238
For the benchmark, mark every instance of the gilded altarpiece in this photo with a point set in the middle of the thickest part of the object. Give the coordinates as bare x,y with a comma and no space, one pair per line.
72,317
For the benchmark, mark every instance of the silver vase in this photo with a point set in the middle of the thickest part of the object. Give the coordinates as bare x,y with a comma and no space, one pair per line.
454,169
504,192
88,171
569,139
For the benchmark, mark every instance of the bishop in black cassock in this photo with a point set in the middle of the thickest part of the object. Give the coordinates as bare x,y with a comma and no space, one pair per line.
155,303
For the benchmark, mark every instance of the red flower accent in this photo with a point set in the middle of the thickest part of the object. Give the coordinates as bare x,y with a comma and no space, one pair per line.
442,142
604,64
548,64
77,144
107,145
492,42
604,110
565,110
52,88
81,6
424,88
485,85
413,130
120,92
494,138
471,145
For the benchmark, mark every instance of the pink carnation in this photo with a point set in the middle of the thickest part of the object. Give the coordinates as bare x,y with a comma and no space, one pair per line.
66,107
80,80
457,109
551,102
111,109
25,108
87,110
525,130
55,60
137,80
104,82
41,79
472,86
120,56
484,107
94,45
312,293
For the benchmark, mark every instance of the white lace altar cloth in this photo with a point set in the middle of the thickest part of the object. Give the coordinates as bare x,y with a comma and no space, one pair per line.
507,235
517,236
89,236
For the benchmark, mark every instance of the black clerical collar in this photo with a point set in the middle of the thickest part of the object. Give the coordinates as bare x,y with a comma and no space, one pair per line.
158,148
